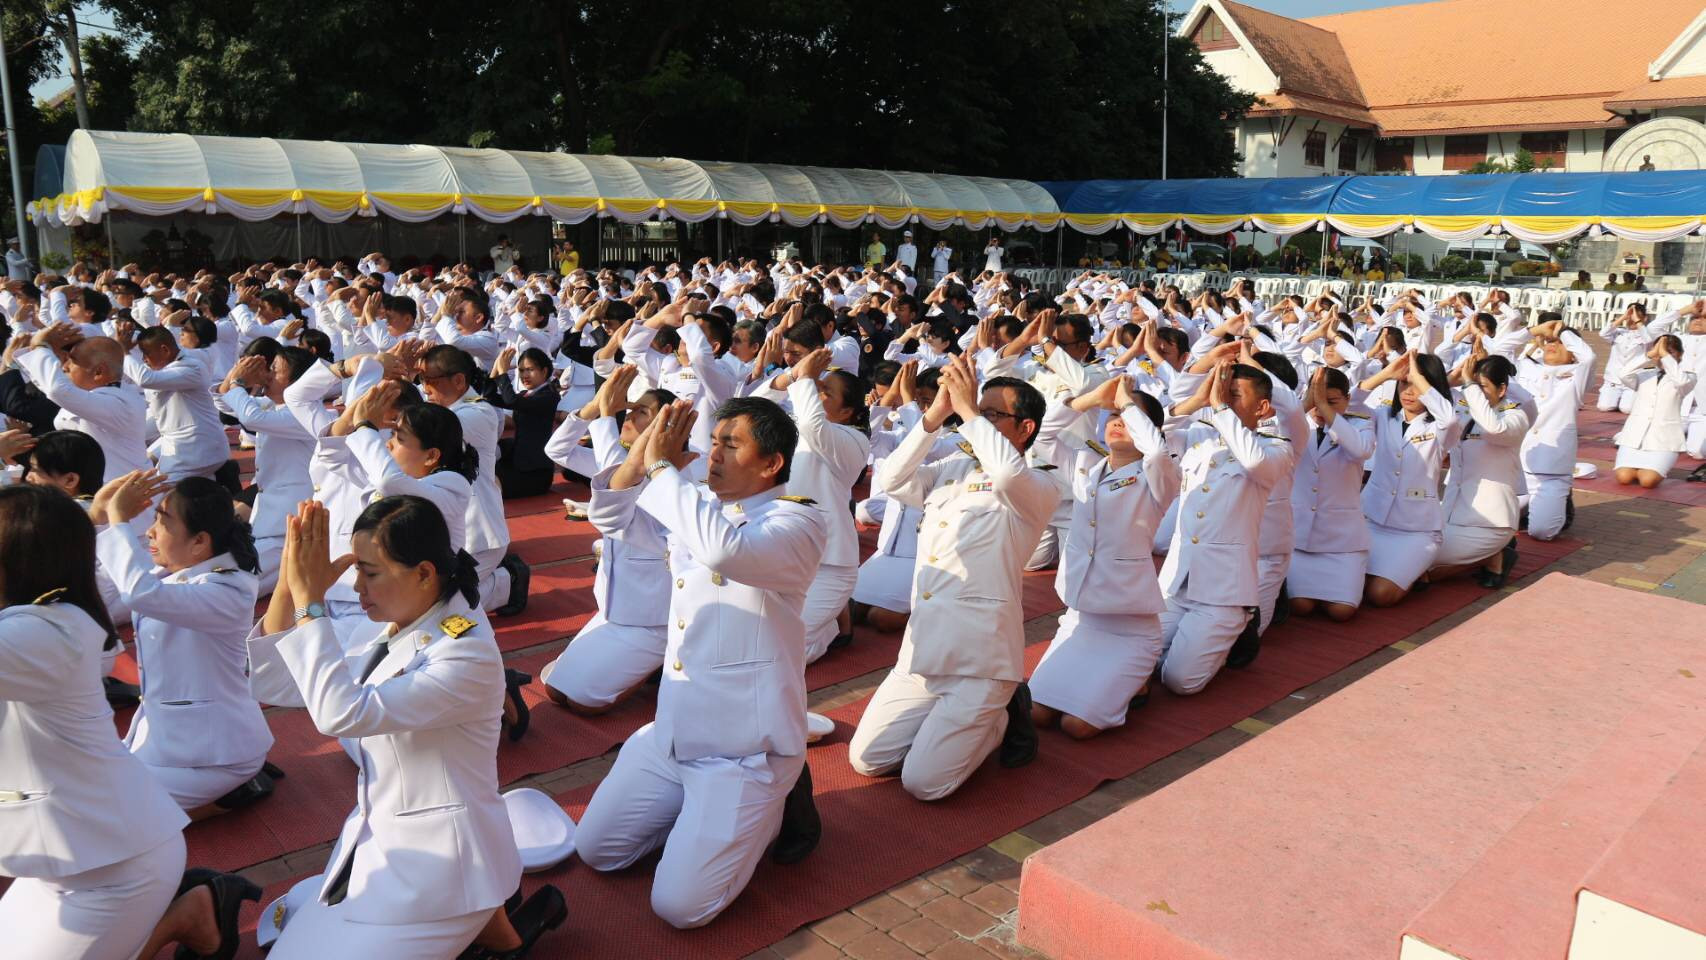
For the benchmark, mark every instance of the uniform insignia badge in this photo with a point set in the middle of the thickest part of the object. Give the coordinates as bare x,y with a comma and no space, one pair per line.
224,570
716,578
791,498
977,487
1355,416
965,447
278,915
1122,482
456,626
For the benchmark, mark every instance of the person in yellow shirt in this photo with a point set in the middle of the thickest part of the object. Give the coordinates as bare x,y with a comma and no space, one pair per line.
1584,281
568,258
1375,274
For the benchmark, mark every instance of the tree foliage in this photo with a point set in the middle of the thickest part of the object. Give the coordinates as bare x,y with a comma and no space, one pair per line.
1051,91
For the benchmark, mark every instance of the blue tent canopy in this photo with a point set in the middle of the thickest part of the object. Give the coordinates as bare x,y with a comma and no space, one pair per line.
1545,207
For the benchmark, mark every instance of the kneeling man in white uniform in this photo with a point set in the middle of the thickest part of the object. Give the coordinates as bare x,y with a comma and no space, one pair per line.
722,770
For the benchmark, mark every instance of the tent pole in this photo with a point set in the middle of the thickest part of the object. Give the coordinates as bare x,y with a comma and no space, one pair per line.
719,240
299,238
112,255
462,237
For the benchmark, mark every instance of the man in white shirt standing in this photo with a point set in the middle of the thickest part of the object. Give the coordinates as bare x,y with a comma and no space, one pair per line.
504,255
941,259
17,265
907,254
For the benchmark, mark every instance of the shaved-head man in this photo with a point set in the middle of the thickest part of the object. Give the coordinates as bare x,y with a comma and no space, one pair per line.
85,376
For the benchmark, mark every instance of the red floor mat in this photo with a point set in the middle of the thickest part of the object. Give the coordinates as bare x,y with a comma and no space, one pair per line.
544,537
559,603
1675,490
610,915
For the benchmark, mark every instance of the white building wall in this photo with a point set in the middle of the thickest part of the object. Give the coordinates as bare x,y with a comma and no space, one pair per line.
1263,157
1241,69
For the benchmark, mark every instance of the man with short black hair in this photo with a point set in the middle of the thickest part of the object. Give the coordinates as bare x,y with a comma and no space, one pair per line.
728,746
957,691
178,384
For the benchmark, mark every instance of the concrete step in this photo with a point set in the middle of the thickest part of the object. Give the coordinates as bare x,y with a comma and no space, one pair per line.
1518,902
1325,836
1647,896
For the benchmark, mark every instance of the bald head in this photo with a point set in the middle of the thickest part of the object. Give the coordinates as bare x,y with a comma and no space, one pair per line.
97,360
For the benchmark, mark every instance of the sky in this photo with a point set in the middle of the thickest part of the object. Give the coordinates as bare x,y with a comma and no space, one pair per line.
90,19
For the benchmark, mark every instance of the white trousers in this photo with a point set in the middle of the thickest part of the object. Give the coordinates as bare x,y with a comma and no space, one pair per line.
870,510
935,729
1196,637
714,818
1696,437
1047,552
1096,663
606,660
320,932
1270,577
1547,494
1615,397
106,913
826,598
270,550
194,787
885,581
494,580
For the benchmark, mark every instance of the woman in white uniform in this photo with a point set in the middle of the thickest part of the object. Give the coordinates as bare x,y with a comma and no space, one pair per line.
94,843
254,393
427,858
1481,511
1329,556
1109,639
1651,438
1413,432
192,599
1557,374
829,407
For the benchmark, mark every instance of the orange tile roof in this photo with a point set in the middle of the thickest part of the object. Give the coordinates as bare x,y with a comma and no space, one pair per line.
1286,103
1674,92
1466,65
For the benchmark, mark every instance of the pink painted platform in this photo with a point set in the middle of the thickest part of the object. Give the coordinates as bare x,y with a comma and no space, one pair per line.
1510,755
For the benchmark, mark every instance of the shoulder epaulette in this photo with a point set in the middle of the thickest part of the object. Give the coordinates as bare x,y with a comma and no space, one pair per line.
1354,416
1096,448
1509,405
791,498
965,447
455,626
224,570
1270,436
1045,466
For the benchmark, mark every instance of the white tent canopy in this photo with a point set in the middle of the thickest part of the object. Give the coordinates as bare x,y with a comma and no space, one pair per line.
254,179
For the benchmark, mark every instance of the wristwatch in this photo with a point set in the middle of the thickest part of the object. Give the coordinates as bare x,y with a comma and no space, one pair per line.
313,611
655,466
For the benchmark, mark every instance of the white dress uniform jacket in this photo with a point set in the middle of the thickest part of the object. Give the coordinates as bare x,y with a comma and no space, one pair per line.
633,563
827,462
1326,510
482,425
983,514
734,668
1226,470
429,837
1558,390
196,707
115,415
1486,469
1403,482
1655,422
1104,568
62,769
192,440
283,449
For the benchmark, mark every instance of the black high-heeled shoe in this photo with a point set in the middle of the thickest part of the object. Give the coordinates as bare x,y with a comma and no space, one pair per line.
543,912
1507,562
229,890
514,680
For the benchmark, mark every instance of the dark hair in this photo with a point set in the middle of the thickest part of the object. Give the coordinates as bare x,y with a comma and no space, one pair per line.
667,340
1432,369
445,360
854,390
280,302
1336,380
1496,369
1175,338
298,359
883,372
944,331
1081,329
773,430
437,428
59,452
411,530
717,331
263,347
95,303
816,315
547,309
1028,404
1256,377
47,553
1278,365
807,335
477,300
1673,346
203,506
1151,407
318,344
537,357
205,330
1486,323
1549,316
155,336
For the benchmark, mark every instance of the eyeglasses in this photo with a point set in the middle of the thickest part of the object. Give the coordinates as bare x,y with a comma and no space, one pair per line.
989,414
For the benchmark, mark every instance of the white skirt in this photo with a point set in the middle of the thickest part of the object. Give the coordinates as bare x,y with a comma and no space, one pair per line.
1096,663
318,931
1464,544
886,581
1328,577
1658,461
105,913
1400,556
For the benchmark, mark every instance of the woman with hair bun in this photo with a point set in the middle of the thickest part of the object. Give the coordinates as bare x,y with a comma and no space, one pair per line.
192,599
1481,508
1653,436
428,857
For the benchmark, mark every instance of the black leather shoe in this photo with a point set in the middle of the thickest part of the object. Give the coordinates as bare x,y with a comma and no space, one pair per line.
1139,701
1494,581
272,770
250,792
1247,646
121,694
841,640
1570,505
514,680
1019,744
229,891
543,912
801,826
520,577
1698,475
1282,607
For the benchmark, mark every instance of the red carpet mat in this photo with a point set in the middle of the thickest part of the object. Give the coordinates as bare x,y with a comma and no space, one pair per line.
559,603
545,537
549,502
610,915
1674,490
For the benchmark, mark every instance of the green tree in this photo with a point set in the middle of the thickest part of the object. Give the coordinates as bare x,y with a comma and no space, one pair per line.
31,55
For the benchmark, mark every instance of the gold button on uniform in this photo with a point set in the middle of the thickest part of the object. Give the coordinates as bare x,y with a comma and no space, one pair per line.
716,578
678,664
680,583
1199,514
681,624
1092,523
942,523
925,595
932,558
1205,488
1193,539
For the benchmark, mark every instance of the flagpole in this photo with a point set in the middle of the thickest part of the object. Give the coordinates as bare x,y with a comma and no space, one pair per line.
1166,45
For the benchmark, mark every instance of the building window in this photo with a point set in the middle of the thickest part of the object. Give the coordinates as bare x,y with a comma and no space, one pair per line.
1315,149
1350,146
1213,35
1397,155
1464,152
1549,149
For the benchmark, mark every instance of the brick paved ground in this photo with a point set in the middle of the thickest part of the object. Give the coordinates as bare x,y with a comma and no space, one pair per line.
965,909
